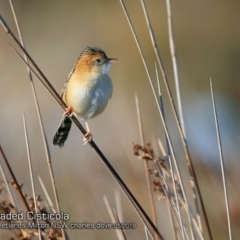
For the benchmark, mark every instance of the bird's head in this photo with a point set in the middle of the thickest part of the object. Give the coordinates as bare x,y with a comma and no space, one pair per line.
94,59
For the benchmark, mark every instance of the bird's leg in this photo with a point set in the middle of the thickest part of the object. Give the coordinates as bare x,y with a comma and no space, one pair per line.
88,136
68,112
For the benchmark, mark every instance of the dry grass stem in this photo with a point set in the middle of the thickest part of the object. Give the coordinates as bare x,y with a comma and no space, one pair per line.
118,205
46,195
221,161
176,194
31,173
111,214
145,162
174,62
161,105
168,150
199,231
172,220
118,221
147,233
173,199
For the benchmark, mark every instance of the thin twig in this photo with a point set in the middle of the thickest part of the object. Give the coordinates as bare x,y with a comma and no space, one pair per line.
30,170
147,233
139,117
161,103
174,62
168,150
175,209
140,211
118,205
146,165
121,229
195,223
221,160
175,193
173,226
46,195
199,231
110,212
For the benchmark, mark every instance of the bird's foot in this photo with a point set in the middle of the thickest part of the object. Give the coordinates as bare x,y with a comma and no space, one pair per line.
87,138
68,112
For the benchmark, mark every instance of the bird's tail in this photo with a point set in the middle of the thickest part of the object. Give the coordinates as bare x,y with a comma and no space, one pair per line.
62,131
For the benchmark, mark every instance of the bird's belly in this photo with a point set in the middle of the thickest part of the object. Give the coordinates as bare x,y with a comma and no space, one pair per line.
89,101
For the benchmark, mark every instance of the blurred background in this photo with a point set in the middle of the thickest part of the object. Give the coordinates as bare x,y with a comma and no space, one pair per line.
207,36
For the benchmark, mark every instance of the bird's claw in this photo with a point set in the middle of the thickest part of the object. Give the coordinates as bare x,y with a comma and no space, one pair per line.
68,112
87,138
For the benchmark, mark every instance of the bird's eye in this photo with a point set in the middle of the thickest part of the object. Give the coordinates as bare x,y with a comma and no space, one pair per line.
98,60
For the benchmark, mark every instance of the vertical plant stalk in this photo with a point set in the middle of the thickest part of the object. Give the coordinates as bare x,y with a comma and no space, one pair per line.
161,104
31,174
172,204
173,227
118,205
146,165
176,195
221,161
46,147
168,156
176,78
49,201
174,62
138,208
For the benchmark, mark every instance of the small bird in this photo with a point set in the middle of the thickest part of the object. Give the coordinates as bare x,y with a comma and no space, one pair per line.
86,92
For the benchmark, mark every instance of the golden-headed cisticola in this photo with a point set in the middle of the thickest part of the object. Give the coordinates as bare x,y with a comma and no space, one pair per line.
86,92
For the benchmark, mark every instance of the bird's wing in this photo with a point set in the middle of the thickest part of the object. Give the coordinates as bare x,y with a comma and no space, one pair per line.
64,89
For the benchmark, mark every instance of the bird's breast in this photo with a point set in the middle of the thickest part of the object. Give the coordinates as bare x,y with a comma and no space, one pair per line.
89,98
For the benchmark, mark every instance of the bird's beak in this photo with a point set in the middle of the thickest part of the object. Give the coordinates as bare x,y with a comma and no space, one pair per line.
112,60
